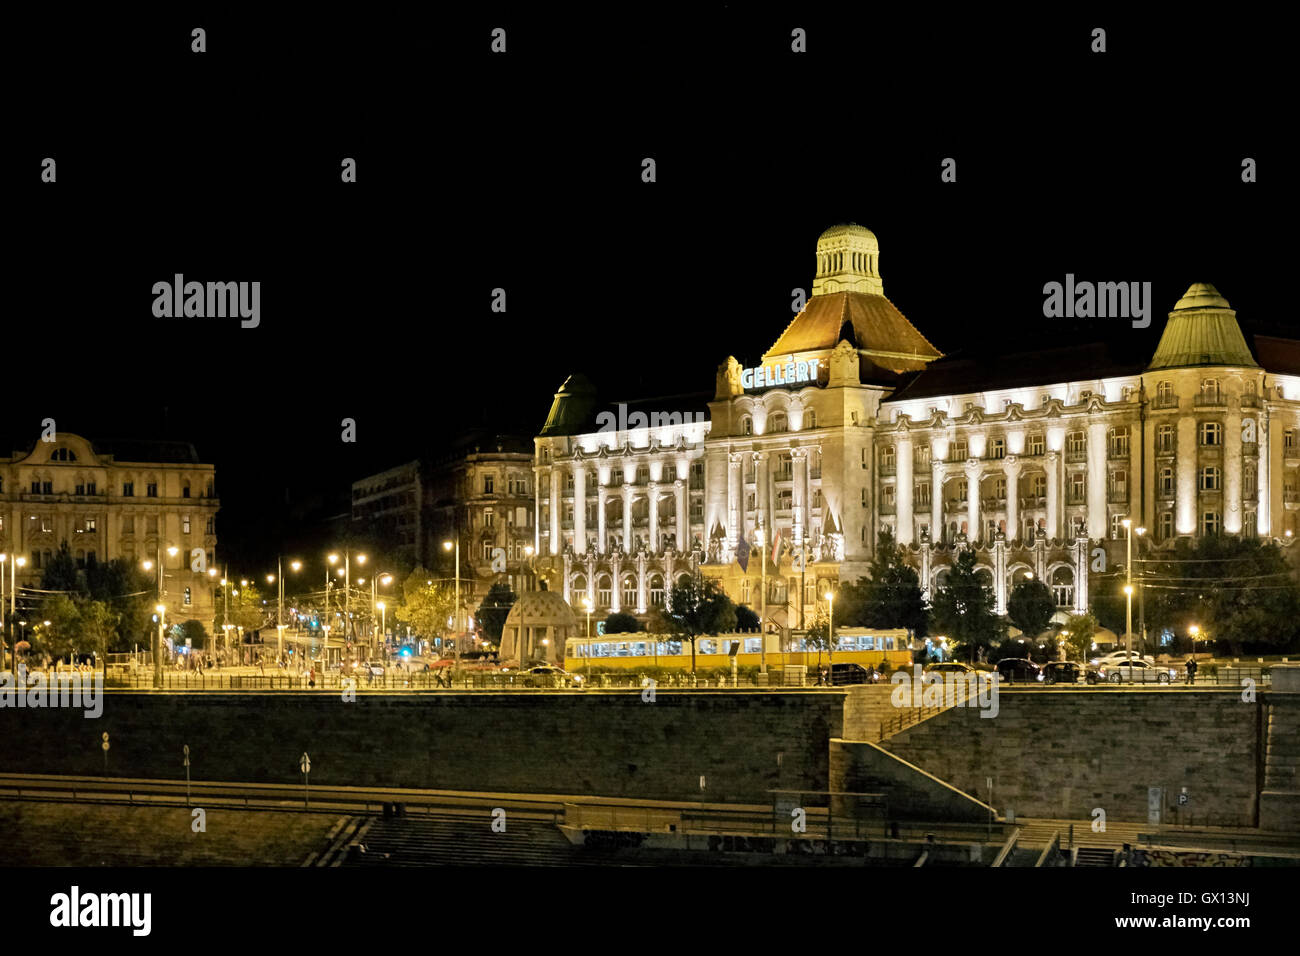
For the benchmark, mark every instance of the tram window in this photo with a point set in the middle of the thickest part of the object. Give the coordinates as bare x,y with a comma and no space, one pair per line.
639,649
889,643
708,647
753,645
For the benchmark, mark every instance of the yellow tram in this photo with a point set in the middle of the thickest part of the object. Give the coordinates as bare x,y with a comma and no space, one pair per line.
865,646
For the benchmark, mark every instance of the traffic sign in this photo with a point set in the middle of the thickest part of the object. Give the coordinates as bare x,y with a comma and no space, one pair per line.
305,764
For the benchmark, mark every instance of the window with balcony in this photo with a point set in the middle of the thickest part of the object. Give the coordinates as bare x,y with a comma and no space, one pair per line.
1165,440
1117,441
490,484
1038,485
1166,482
1077,488
921,456
921,495
887,460
777,423
1076,446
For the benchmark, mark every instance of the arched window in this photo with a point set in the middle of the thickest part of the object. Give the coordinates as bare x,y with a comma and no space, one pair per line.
603,592
777,423
1063,586
629,591
810,419
579,585
746,425
656,591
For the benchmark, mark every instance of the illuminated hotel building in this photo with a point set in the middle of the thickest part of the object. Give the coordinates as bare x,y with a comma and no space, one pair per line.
854,423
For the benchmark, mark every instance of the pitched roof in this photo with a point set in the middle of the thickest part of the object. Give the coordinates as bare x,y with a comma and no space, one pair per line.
873,322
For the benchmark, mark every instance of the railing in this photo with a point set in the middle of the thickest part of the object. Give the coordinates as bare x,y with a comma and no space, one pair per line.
1210,401
1007,847
1053,846
1167,401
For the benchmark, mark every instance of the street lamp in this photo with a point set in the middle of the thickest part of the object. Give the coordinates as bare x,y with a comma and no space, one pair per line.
523,629
383,610
384,578
447,546
762,614
1128,589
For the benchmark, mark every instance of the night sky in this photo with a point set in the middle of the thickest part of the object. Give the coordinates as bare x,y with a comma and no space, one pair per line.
523,172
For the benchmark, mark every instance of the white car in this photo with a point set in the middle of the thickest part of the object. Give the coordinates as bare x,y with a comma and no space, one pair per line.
1137,672
1118,657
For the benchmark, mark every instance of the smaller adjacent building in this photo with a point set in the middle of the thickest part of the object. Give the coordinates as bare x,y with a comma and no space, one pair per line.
479,490
136,500
538,625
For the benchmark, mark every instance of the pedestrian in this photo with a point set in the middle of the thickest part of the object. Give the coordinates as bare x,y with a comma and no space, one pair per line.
1191,670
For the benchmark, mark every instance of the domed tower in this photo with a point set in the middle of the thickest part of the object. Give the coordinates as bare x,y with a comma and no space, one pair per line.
1202,330
848,260
572,408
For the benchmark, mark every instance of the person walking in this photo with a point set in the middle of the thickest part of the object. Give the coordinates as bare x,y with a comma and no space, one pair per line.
1191,670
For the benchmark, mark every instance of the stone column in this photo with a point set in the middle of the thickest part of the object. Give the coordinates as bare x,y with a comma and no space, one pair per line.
1232,473
1262,474
683,515
627,519
734,491
761,484
579,508
1185,477
591,582
1097,483
925,564
799,505
1000,573
1040,557
616,574
973,469
903,498
1081,574
670,559
1011,469
1053,494
602,495
640,581
568,573
555,510
936,502
652,495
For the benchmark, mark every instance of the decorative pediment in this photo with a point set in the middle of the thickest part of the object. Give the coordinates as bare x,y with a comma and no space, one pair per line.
975,416
1015,412
936,418
1054,408
904,424
1095,403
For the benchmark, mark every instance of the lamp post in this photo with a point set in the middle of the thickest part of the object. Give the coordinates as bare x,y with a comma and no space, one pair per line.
279,611
162,592
387,577
1128,590
383,610
762,614
523,628
830,638
455,627
4,566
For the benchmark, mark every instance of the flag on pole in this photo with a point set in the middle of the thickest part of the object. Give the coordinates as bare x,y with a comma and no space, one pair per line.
742,554
778,549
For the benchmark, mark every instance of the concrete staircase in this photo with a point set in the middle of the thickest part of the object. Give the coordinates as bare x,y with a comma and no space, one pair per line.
1279,800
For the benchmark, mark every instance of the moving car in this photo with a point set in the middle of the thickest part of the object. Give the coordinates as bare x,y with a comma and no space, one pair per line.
1062,672
1019,670
376,668
1138,672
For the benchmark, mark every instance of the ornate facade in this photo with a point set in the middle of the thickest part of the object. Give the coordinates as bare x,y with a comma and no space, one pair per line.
854,423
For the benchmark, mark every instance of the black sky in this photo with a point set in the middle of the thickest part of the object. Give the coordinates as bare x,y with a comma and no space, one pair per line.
523,172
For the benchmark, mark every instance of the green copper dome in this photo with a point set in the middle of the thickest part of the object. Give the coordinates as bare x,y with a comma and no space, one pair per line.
1202,330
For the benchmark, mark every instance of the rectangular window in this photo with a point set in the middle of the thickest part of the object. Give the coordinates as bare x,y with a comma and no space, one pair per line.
1211,434
489,483
1076,446
151,489
47,522
128,524
1165,440
210,529
922,494
1210,523
998,448
1038,485
185,524
487,550
958,451
189,597
1166,524
489,519
128,489
1036,445
1077,488
36,485
91,525
151,524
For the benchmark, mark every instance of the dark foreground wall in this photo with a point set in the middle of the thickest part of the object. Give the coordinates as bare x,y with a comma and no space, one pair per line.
1062,753
602,743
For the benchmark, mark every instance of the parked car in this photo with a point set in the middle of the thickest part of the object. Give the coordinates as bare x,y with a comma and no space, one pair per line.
376,668
1019,670
1062,672
949,667
547,675
1138,672
851,673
